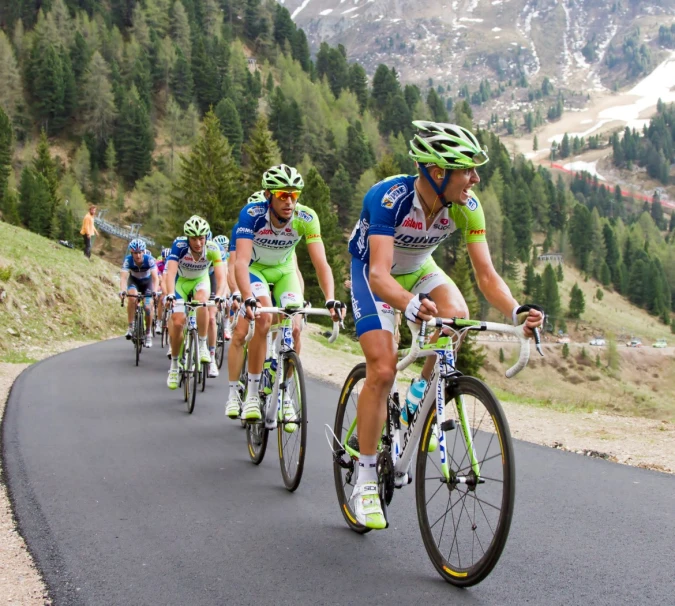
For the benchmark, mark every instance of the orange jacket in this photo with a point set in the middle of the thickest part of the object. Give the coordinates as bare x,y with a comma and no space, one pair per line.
88,228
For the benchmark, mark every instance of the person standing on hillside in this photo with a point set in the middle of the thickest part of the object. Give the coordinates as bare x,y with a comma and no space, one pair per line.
88,230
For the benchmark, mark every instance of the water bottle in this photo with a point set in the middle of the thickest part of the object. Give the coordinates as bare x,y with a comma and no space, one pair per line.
192,322
412,400
270,373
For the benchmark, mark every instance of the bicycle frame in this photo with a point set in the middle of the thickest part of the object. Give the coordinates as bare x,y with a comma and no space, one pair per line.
403,442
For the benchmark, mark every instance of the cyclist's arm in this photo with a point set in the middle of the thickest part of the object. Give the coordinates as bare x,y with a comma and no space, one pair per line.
317,253
380,279
491,284
170,280
231,282
124,278
243,259
220,272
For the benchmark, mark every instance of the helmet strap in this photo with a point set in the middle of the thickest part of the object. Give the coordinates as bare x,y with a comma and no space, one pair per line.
438,189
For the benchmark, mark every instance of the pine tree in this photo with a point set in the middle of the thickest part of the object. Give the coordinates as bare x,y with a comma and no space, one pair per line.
6,144
35,205
343,196
10,209
261,152
535,144
44,164
206,76
437,107
210,181
385,84
577,302
471,357
357,157
180,29
551,296
316,194
284,28
182,85
509,249
97,101
559,273
300,50
528,281
636,282
358,84
11,92
387,167
134,138
230,125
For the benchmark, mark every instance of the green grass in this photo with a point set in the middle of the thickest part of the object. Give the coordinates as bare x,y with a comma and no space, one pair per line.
49,294
16,357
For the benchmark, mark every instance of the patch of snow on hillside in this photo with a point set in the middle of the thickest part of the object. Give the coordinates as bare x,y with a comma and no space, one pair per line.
580,165
496,29
470,20
350,10
496,2
297,10
328,11
354,16
394,20
472,7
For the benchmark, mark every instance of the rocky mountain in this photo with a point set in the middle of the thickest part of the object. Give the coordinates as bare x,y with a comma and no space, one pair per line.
578,44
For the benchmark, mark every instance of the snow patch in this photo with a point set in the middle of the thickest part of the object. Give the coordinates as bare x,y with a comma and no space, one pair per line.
297,10
350,10
328,11
471,20
496,29
589,167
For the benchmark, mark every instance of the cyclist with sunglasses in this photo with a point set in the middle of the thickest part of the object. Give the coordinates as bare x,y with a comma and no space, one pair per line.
266,237
404,219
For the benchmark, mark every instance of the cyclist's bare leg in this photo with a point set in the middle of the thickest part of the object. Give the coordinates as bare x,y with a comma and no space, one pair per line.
213,333
450,304
131,305
297,332
258,345
380,352
176,332
235,354
202,312
147,302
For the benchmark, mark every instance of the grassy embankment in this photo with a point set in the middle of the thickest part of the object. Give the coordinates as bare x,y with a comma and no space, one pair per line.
51,294
641,383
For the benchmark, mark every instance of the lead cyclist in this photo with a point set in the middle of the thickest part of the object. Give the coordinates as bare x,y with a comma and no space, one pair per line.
403,220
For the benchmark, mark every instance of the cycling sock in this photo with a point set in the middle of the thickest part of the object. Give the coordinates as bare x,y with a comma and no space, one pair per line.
234,386
212,351
131,324
367,469
174,363
253,383
202,342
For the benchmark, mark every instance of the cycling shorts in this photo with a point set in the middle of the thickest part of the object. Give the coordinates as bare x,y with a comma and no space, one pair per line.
370,312
186,287
286,292
141,285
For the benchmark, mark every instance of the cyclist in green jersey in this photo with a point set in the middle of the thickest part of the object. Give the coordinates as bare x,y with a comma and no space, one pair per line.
403,221
266,237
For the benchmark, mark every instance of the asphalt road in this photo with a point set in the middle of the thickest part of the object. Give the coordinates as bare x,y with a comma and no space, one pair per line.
125,499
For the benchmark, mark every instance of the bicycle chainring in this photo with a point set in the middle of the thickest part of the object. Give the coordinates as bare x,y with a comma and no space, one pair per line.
385,476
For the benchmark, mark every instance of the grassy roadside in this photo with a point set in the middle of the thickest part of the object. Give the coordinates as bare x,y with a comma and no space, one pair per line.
51,294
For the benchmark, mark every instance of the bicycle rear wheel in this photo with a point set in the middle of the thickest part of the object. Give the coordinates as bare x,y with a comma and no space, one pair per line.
256,438
203,372
138,339
465,520
193,377
292,444
243,381
345,467
220,339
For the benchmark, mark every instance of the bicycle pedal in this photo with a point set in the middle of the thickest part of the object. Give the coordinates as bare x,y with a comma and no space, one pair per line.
448,425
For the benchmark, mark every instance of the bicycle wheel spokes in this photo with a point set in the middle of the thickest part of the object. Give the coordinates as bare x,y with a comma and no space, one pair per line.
292,430
465,519
345,467
193,360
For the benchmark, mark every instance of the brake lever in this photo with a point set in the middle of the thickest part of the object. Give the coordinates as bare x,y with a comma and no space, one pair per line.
537,341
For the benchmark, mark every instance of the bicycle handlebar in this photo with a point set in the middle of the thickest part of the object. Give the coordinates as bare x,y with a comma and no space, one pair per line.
127,295
307,311
419,330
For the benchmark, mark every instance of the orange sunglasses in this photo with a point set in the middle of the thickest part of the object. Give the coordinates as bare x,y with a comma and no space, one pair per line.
285,195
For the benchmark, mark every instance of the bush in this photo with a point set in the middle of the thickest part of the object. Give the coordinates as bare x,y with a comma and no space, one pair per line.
501,355
565,350
599,294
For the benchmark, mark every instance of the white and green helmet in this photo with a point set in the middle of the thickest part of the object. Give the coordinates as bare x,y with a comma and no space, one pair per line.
258,196
282,177
195,226
446,145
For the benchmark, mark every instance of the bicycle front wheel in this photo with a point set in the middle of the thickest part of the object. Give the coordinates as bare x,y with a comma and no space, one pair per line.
139,335
292,430
243,381
465,517
220,340
345,466
256,439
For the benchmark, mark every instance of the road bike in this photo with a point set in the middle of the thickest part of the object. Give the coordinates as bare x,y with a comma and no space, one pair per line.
138,336
223,330
192,371
166,318
465,478
282,386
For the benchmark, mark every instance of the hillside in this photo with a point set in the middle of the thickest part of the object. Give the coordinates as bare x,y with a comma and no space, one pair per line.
49,294
573,42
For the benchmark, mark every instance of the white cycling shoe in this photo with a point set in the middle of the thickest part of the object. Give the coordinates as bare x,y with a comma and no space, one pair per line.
251,410
213,369
233,407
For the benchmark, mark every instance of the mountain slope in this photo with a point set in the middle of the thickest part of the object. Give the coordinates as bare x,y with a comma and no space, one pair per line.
464,41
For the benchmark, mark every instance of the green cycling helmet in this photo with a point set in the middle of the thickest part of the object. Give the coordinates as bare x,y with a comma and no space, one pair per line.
195,226
446,145
282,177
224,241
258,196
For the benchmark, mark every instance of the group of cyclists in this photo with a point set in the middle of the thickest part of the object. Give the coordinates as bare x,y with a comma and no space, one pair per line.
403,220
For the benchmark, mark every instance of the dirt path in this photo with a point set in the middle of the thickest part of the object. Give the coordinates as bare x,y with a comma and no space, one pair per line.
629,440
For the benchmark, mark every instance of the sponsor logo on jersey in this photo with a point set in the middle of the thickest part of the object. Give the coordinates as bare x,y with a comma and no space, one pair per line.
306,217
271,243
290,296
181,244
409,241
356,310
410,222
386,308
363,232
264,232
476,232
288,230
442,224
472,204
393,195
244,230
256,210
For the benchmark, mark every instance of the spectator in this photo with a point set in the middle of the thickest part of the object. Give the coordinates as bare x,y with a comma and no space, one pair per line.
88,230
